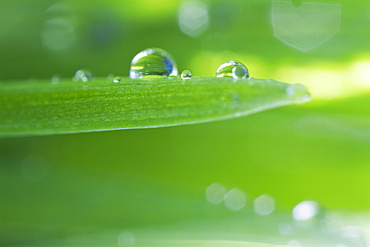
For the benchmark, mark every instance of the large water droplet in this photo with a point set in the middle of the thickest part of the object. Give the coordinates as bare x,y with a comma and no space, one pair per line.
153,62
83,75
186,74
233,69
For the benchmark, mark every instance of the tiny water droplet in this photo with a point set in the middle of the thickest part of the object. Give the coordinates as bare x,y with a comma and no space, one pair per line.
55,79
117,79
233,69
152,62
83,75
298,91
186,74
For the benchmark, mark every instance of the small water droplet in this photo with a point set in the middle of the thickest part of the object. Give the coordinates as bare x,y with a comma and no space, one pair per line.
186,74
83,75
117,79
298,92
55,79
152,62
233,69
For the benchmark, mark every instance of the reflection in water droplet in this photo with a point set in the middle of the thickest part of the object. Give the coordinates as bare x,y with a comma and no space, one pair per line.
126,239
264,205
153,62
83,75
307,26
186,74
193,18
305,210
55,79
233,69
235,199
117,79
215,193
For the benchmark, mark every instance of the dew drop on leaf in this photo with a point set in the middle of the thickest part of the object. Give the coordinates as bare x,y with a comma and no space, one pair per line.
117,79
152,62
83,75
186,74
298,91
233,69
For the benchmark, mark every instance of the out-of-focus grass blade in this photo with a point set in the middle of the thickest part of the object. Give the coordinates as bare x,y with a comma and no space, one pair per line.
41,107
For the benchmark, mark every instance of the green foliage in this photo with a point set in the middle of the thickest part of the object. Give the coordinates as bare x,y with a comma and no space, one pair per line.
41,107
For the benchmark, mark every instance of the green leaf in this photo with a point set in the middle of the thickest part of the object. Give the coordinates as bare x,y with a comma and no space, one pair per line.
41,107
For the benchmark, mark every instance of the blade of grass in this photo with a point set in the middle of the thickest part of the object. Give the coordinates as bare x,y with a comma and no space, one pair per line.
41,107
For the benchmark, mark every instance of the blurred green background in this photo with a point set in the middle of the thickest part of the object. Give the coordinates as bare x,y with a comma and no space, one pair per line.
57,186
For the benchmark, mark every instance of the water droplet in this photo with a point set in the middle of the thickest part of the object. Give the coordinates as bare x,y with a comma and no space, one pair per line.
83,75
55,79
298,92
117,79
186,74
235,199
152,62
264,205
305,210
215,193
233,69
